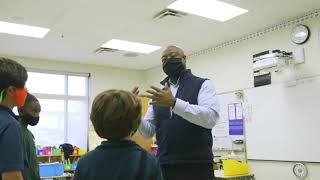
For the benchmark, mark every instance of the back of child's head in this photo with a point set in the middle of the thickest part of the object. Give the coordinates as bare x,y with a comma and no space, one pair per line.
116,114
12,74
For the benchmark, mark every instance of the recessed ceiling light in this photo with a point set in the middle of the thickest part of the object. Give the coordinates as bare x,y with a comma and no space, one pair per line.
212,9
23,30
130,46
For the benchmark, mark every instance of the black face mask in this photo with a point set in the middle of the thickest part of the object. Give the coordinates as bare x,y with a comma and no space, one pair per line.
173,67
30,120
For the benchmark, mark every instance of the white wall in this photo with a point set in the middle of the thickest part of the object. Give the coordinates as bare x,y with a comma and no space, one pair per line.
231,69
102,78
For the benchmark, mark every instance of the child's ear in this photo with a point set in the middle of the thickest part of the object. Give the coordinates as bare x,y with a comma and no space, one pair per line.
11,91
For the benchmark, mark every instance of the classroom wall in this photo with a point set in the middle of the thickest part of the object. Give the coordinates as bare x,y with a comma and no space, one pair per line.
231,69
102,78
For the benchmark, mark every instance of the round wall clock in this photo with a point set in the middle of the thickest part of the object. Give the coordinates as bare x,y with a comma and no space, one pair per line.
300,34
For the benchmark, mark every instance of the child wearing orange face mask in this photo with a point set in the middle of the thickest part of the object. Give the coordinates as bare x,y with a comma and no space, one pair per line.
13,162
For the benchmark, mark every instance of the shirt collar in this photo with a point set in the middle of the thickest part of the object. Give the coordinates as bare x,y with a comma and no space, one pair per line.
3,108
118,143
185,74
174,85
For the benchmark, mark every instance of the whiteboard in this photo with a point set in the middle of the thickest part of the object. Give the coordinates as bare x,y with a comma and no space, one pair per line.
285,123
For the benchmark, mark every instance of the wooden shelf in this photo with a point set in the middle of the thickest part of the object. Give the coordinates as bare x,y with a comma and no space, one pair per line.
56,177
57,155
60,158
71,170
49,155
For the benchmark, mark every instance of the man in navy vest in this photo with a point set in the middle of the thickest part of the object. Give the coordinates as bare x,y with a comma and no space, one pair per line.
182,115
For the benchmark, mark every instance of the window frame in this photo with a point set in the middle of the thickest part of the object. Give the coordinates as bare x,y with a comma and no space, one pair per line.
66,97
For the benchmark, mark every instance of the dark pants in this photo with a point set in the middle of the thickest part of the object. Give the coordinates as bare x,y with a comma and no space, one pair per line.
201,171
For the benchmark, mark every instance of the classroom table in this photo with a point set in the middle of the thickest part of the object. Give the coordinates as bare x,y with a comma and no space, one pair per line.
219,174
57,177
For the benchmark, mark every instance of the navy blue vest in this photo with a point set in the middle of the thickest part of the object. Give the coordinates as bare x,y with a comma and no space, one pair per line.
180,141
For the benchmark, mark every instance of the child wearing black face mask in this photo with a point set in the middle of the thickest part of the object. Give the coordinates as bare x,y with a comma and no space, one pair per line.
29,115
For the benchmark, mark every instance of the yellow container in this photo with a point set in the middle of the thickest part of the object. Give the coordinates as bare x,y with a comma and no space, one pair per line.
82,152
233,168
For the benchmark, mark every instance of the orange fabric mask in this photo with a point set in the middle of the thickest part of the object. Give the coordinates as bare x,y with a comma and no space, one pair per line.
20,96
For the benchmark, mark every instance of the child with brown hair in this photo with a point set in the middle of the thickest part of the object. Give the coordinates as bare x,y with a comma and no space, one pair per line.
116,116
13,160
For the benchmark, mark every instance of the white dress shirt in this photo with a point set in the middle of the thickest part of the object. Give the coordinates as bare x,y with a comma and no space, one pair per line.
205,114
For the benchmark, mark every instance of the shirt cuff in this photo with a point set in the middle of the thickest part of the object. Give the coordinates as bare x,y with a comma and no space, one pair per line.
180,106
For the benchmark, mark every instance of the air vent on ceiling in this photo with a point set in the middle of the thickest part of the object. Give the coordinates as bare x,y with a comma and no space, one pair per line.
102,50
130,55
169,13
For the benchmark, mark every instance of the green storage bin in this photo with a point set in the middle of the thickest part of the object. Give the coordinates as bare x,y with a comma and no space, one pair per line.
56,152
67,167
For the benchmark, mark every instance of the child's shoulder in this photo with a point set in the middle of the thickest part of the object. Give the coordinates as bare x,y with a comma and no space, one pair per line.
150,158
85,159
8,122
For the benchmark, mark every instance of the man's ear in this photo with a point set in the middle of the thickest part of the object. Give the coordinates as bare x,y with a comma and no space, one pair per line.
184,60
